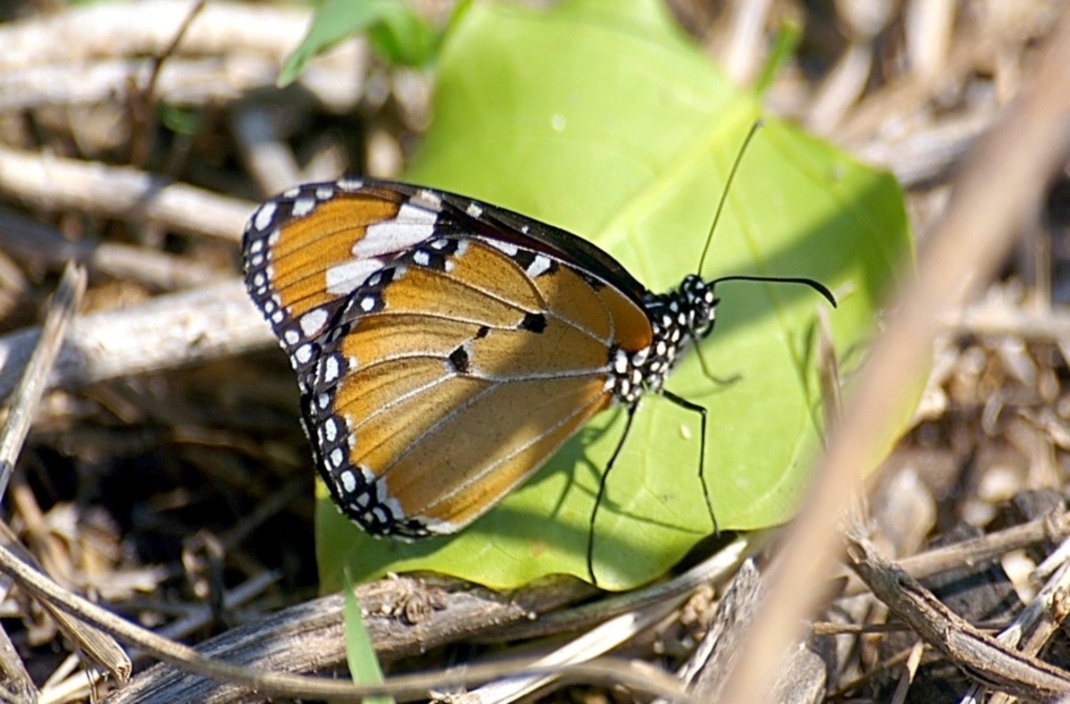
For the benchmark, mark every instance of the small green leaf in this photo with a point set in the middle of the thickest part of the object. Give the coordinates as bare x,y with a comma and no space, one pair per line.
401,37
360,653
785,43
180,120
599,116
396,32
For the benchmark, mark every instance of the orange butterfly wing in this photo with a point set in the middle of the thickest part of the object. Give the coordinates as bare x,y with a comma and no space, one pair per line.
444,354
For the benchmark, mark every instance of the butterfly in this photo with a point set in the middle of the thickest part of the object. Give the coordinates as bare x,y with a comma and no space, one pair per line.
445,348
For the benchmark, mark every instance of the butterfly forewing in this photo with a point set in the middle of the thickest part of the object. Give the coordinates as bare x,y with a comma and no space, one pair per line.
443,354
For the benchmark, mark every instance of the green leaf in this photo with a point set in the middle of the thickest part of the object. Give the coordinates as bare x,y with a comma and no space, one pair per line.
396,32
599,116
360,653
787,39
180,120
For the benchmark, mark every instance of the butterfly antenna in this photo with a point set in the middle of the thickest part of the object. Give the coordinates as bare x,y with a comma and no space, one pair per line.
816,285
727,187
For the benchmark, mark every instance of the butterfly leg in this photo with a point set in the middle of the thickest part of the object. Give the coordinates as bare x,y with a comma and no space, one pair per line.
701,410
720,381
602,490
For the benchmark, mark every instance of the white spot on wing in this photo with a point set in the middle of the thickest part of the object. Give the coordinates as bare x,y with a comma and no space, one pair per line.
312,321
408,228
539,266
264,216
508,248
303,206
330,370
437,526
428,199
346,276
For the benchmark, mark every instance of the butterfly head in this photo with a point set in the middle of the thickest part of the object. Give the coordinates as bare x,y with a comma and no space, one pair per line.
677,319
699,303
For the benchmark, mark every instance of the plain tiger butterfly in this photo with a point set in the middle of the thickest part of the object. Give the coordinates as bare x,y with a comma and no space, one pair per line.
445,348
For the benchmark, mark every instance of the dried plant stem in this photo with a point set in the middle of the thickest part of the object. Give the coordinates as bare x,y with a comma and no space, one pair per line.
164,333
980,654
31,385
120,192
289,685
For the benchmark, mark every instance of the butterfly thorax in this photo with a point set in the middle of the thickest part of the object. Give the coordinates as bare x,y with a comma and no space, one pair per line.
678,318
